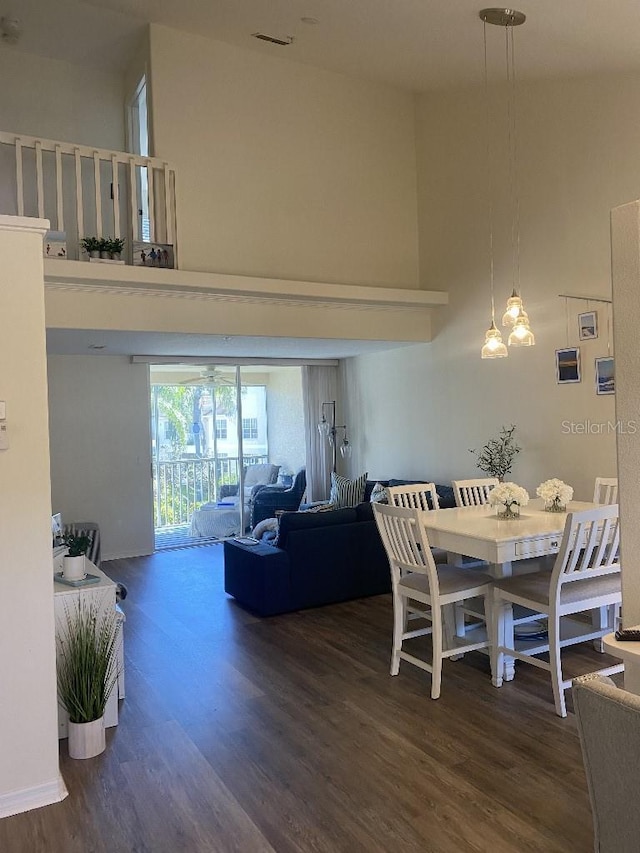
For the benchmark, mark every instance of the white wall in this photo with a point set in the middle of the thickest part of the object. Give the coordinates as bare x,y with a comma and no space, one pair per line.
57,100
284,170
578,142
101,449
28,710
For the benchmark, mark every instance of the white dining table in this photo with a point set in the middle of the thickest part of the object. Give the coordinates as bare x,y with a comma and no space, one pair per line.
476,532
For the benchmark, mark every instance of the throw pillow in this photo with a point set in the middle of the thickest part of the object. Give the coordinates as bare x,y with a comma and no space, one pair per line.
379,494
345,493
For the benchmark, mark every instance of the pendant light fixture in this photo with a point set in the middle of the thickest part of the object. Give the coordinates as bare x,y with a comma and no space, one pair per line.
493,344
515,315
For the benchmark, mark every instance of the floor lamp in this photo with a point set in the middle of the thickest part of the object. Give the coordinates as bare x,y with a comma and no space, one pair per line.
329,428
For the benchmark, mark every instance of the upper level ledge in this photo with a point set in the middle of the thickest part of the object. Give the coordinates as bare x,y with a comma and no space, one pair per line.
112,278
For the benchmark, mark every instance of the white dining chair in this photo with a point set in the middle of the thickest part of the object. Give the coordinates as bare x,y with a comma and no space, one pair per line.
415,578
585,576
606,490
422,496
473,492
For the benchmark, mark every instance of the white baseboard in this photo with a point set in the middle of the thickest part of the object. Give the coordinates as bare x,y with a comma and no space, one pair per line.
145,552
26,799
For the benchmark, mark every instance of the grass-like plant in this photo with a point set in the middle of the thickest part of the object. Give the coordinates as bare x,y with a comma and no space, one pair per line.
496,456
87,660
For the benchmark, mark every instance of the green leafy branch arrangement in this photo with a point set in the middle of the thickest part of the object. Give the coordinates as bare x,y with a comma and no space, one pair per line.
496,457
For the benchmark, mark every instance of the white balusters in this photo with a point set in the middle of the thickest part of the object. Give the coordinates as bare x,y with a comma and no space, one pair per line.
115,195
96,181
79,199
59,196
152,203
19,179
39,179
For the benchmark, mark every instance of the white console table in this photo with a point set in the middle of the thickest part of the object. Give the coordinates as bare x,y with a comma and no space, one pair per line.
65,600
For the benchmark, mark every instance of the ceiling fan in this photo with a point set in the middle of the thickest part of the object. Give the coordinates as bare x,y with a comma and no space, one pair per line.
210,377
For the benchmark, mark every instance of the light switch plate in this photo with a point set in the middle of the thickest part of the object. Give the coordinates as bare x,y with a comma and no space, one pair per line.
3,410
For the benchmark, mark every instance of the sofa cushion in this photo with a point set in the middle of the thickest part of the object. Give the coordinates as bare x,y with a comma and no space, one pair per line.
291,521
364,511
345,492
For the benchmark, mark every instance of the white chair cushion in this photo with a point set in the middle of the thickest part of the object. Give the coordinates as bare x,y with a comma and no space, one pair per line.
260,474
452,579
535,587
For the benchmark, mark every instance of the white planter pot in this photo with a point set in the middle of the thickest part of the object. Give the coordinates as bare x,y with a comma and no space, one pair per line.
86,740
73,568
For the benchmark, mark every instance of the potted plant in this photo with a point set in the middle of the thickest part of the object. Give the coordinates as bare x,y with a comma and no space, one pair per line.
87,672
496,457
91,245
73,563
105,248
116,245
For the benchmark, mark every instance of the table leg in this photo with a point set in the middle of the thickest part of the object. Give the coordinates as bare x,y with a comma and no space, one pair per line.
505,619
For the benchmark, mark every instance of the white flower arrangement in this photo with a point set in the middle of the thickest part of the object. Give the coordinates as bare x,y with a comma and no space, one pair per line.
508,494
555,490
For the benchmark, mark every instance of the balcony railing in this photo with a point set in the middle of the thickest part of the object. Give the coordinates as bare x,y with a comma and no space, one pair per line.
86,191
181,486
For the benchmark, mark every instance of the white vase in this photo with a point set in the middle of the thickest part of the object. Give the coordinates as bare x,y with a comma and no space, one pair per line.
73,568
86,740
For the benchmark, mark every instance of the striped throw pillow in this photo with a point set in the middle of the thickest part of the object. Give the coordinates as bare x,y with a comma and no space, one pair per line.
346,492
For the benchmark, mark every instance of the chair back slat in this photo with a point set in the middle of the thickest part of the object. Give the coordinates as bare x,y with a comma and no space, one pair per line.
590,546
421,496
473,492
405,541
606,490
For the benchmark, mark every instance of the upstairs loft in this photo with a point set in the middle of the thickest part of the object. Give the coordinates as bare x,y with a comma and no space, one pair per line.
90,192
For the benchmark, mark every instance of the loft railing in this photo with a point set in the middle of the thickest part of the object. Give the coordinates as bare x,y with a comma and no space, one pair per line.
86,191
181,486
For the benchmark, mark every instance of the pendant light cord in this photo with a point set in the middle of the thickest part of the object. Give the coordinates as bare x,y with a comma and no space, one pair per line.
489,174
515,157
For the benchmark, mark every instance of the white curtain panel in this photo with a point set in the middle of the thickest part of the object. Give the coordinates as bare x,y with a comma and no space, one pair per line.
319,385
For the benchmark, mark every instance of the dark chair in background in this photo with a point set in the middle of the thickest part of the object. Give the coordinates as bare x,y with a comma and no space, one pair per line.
268,499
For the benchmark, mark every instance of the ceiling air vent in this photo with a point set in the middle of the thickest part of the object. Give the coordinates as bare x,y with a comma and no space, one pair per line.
282,40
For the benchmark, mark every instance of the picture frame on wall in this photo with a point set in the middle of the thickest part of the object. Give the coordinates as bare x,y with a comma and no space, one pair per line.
158,255
605,375
568,365
588,325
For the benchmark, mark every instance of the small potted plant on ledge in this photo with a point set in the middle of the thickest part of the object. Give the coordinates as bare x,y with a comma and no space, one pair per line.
73,563
91,245
116,245
87,671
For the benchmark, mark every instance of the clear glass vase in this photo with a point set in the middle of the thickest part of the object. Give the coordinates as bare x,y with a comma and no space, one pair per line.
509,511
554,505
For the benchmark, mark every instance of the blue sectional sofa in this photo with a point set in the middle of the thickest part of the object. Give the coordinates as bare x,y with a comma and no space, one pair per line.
320,558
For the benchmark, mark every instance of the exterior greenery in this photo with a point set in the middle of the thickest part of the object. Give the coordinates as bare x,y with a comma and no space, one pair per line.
496,457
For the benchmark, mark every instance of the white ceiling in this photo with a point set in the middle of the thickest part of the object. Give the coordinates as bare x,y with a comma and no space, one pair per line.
84,342
415,44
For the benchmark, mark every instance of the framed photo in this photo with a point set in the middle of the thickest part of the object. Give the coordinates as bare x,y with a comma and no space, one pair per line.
158,255
56,529
568,365
605,376
55,244
588,325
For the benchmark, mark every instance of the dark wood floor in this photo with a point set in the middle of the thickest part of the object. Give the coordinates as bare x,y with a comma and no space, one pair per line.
288,734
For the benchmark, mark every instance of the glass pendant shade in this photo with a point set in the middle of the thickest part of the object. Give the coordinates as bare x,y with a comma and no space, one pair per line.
493,345
323,426
345,449
514,309
521,336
